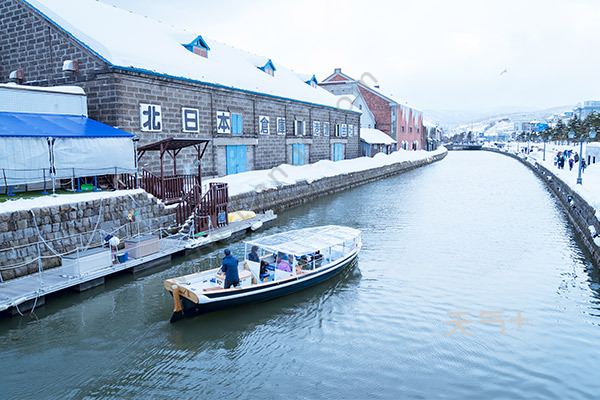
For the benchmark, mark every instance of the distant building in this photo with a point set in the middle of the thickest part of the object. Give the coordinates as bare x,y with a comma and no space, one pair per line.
373,141
585,109
157,82
399,121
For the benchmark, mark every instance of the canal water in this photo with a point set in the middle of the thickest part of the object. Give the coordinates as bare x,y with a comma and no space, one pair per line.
476,233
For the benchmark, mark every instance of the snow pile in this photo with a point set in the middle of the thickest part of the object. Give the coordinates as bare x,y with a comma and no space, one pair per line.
60,199
285,174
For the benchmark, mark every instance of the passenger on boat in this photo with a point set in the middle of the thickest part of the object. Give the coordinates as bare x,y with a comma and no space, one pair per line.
318,258
283,264
253,255
230,269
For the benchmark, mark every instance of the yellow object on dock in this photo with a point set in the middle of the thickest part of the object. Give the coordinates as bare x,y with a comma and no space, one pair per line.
240,215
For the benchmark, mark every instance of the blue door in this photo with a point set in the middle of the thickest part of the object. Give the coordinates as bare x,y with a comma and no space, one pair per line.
236,159
338,151
298,154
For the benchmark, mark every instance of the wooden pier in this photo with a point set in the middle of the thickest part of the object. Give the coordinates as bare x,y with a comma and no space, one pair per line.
28,292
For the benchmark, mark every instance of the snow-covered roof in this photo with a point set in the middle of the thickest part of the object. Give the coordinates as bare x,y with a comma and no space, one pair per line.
132,42
375,136
428,123
53,89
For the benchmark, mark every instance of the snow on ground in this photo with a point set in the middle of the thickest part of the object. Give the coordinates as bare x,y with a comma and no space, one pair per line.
286,174
247,181
59,199
589,190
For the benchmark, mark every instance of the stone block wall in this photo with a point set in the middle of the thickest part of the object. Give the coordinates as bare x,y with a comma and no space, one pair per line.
69,226
580,213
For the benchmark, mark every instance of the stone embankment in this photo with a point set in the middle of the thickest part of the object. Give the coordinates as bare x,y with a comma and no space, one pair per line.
60,229
288,196
57,230
581,215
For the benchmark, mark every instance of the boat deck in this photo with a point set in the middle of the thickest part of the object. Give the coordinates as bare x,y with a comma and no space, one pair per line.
24,293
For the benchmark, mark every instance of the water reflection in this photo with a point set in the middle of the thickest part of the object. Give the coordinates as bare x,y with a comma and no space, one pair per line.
477,231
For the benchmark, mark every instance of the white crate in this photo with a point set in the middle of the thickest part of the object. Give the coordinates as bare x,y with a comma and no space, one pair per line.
87,261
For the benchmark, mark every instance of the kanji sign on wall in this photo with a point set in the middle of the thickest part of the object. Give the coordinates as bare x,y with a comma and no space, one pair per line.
263,125
223,122
350,130
189,119
344,130
316,128
150,118
325,128
281,126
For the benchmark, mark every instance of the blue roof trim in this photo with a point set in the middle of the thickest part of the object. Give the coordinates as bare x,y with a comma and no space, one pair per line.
142,70
196,42
14,124
149,72
269,65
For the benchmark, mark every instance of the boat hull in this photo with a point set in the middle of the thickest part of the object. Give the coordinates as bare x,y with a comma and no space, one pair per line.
221,301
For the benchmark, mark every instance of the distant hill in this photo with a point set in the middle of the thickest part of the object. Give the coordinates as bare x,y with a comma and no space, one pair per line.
451,119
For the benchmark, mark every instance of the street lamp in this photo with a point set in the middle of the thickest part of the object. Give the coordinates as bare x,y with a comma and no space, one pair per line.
592,135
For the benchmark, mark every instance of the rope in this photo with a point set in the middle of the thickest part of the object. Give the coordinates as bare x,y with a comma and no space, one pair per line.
95,227
40,234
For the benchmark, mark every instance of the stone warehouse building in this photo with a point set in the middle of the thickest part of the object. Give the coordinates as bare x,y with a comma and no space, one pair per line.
158,82
379,111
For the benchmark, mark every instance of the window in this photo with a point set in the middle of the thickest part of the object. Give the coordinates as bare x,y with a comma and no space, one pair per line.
300,127
410,129
402,129
360,106
236,124
198,46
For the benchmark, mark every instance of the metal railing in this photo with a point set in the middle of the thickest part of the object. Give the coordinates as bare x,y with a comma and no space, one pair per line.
208,211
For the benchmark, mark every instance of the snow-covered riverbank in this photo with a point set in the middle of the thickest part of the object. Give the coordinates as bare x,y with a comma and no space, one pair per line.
251,181
589,190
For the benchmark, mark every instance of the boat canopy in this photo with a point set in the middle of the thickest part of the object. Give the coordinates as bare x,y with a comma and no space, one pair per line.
307,240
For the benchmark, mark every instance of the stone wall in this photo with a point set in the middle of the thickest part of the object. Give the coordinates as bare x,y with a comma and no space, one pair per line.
303,192
579,212
69,226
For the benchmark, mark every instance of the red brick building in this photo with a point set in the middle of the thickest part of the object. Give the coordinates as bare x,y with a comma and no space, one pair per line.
400,121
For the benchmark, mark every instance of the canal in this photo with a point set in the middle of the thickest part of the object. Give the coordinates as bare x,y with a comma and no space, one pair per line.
476,233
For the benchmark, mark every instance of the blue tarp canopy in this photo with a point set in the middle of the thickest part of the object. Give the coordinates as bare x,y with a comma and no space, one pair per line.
36,146
54,125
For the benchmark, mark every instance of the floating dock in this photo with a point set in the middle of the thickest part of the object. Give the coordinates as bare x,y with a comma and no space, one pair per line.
28,292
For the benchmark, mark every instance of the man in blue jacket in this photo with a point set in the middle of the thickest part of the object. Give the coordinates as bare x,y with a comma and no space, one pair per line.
230,268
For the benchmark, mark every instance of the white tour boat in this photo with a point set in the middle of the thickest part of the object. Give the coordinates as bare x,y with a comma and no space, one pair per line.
288,262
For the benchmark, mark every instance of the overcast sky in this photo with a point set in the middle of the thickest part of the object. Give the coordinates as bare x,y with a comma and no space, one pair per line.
433,54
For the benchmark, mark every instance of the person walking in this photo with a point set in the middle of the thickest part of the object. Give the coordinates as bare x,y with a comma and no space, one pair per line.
230,269
570,164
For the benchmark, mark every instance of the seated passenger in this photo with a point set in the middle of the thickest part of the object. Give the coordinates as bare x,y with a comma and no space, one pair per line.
263,267
284,265
318,258
253,255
